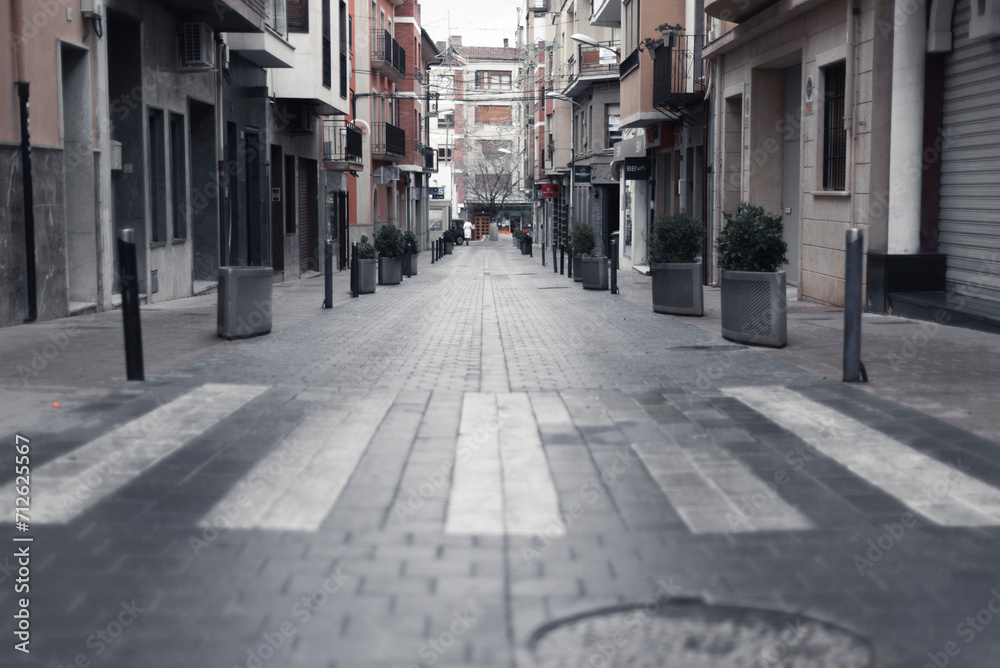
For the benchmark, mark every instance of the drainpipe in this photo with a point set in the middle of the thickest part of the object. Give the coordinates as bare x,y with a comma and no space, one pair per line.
849,93
23,89
718,173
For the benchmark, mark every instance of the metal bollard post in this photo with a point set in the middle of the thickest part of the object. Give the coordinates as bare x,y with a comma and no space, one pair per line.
409,264
531,246
130,305
614,265
543,253
569,273
328,276
354,269
562,259
555,264
854,370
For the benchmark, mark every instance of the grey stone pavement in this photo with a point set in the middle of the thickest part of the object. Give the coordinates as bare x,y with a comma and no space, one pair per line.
153,564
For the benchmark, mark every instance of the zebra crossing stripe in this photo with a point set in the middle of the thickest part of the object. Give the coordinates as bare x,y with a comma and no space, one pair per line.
939,492
501,482
296,485
713,492
67,486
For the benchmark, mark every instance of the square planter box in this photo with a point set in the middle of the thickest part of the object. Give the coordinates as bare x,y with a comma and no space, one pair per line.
410,265
525,246
594,273
390,270
366,276
517,242
449,247
677,289
576,268
754,309
244,301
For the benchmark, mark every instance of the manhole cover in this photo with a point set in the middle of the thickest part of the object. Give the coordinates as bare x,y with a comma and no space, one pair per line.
555,287
714,349
692,634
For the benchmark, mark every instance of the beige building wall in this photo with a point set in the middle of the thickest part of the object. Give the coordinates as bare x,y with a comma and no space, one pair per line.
752,122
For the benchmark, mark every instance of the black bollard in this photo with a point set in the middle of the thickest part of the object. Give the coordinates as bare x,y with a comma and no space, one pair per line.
555,265
531,246
328,276
853,267
614,265
543,253
562,259
129,277
354,270
569,272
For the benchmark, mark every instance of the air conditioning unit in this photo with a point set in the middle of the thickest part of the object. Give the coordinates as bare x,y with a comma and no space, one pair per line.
197,48
244,301
300,119
90,9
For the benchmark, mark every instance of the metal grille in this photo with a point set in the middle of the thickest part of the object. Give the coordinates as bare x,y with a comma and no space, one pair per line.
676,289
834,134
750,308
244,301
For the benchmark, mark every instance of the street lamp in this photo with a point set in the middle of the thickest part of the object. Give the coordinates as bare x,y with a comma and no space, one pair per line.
572,149
585,39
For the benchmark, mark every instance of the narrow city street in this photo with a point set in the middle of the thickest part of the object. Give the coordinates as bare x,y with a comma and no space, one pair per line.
430,474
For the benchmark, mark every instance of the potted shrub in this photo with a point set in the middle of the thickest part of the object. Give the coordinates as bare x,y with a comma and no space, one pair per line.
366,266
674,246
411,248
751,252
583,244
449,242
389,246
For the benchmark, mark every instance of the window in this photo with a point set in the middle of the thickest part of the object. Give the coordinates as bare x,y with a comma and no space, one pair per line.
493,80
178,176
834,134
447,120
157,179
290,211
493,115
327,47
613,128
444,154
630,27
298,15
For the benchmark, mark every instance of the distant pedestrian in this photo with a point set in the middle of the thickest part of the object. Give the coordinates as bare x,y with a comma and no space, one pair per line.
468,231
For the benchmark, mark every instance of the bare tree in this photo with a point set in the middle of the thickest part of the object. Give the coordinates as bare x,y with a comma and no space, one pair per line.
490,171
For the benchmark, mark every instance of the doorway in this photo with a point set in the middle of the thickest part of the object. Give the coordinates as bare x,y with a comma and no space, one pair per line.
277,211
205,192
254,201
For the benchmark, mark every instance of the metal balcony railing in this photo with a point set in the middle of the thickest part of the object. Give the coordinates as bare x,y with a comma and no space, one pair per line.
276,16
388,142
388,57
598,59
427,156
677,73
539,6
341,142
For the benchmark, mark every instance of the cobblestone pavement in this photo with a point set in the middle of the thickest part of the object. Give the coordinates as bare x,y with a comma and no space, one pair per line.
427,475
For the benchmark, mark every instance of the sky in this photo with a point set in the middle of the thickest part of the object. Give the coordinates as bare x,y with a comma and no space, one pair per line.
479,22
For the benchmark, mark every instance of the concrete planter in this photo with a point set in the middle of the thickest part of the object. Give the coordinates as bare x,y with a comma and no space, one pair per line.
525,246
517,242
244,301
754,308
449,247
677,289
390,270
367,270
410,265
576,268
594,273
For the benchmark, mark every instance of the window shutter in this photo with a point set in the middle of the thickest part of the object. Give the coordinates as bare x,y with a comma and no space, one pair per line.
298,15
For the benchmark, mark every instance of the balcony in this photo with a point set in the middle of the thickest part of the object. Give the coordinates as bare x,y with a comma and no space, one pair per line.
427,156
223,15
270,48
388,142
341,146
606,13
736,11
538,6
678,85
592,63
388,58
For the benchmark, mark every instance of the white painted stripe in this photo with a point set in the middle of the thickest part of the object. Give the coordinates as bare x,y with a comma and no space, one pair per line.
297,484
501,482
939,492
71,484
475,505
531,503
713,492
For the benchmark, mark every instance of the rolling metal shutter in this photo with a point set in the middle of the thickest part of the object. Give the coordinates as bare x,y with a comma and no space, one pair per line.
969,230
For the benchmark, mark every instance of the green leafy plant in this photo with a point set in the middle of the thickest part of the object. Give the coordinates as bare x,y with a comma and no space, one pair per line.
389,241
448,236
752,240
584,241
676,239
517,234
410,244
365,250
